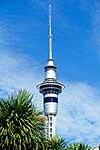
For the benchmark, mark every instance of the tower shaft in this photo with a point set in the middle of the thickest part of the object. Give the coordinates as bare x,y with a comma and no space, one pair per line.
50,88
51,125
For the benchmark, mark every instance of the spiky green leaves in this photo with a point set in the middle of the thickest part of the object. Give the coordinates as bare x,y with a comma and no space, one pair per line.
21,124
77,146
56,143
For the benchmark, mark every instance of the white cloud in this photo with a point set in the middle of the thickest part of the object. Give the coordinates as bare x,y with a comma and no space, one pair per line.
79,110
18,71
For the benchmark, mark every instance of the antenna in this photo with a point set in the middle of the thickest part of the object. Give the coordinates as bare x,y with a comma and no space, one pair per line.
50,30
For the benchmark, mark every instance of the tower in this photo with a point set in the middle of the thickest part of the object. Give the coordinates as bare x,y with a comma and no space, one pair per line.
50,87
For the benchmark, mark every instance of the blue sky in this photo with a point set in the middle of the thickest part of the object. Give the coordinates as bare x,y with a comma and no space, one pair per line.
76,51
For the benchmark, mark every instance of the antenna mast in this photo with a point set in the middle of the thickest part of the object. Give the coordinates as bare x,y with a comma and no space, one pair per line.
50,30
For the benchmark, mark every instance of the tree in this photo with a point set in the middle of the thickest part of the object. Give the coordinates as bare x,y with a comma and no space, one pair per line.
56,143
77,146
21,124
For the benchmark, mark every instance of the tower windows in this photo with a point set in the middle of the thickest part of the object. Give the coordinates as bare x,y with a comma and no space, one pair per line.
51,130
50,118
50,99
50,135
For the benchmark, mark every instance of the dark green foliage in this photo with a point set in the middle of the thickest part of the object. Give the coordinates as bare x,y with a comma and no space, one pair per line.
21,124
56,143
77,146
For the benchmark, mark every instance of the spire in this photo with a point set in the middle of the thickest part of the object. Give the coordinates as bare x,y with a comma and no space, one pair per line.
50,69
50,30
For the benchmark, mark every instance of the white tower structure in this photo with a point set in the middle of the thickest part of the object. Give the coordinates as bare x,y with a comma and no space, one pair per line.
50,87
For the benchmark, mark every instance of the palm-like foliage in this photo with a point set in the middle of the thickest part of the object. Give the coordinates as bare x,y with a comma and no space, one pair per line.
56,143
21,124
77,146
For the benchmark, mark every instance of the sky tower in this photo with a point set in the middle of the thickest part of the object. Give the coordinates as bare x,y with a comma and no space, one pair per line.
50,87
